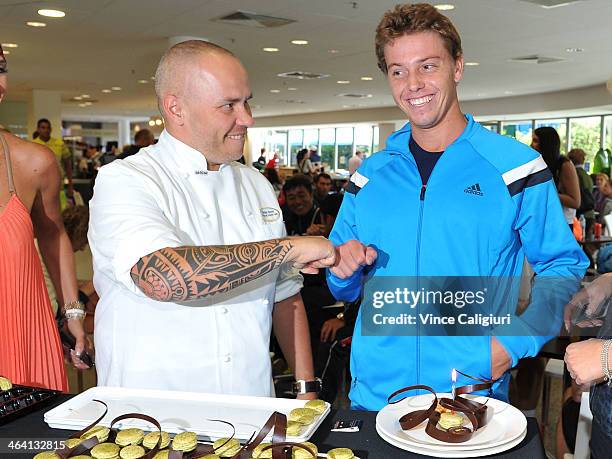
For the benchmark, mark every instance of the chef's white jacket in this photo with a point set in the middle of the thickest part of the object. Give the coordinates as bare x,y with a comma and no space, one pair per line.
164,196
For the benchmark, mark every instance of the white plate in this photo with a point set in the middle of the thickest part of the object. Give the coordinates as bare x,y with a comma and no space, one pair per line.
177,412
452,454
505,423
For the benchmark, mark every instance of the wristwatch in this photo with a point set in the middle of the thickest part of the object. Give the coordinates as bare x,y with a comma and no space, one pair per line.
340,316
304,387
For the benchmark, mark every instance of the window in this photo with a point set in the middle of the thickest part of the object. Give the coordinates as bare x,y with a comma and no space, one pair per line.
491,127
278,144
585,133
520,130
296,138
560,126
344,138
327,148
311,137
363,140
608,132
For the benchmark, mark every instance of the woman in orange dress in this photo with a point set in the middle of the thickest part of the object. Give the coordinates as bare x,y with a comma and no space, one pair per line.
30,348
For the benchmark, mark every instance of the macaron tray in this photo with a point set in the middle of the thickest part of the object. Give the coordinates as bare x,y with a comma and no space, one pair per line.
179,412
275,438
21,400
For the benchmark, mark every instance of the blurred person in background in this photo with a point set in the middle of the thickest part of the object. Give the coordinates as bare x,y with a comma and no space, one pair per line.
143,138
603,196
587,200
30,348
323,186
62,155
545,141
355,161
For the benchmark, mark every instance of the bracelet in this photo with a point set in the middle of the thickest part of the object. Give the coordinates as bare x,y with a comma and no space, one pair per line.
604,361
74,305
74,314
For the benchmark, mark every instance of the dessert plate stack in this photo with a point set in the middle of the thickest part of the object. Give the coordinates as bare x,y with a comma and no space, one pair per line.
506,427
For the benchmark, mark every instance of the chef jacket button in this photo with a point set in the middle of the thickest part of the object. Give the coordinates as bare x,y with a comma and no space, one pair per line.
223,310
266,301
227,358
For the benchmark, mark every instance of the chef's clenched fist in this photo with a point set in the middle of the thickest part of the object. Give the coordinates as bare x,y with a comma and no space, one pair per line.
311,253
351,257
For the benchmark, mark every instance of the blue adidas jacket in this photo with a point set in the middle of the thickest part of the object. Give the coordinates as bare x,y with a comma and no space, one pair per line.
489,203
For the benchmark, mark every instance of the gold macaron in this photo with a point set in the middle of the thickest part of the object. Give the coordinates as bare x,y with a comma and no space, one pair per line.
318,406
450,420
129,437
300,453
210,456
100,432
72,442
259,454
150,440
340,453
162,454
81,456
5,383
185,441
304,416
105,451
47,455
294,428
132,452
226,447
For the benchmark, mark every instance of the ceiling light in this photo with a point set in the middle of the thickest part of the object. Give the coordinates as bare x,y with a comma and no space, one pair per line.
82,105
78,97
10,45
472,64
299,42
116,88
158,122
445,7
85,96
143,81
6,53
151,123
343,81
36,24
574,50
333,51
270,50
87,104
106,91
52,13
366,78
291,89
508,92
153,77
275,90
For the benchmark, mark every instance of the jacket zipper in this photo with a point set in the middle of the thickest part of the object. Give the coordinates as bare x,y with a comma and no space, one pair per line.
418,263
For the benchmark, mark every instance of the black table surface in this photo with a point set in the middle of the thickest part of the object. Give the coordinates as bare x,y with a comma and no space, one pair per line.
366,443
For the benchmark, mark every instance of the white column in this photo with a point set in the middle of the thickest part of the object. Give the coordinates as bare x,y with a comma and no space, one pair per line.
384,131
125,137
45,104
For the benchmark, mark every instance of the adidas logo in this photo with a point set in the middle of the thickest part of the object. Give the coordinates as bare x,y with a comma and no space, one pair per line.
474,189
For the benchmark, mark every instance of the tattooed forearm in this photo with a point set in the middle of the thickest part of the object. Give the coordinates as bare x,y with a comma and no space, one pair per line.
189,273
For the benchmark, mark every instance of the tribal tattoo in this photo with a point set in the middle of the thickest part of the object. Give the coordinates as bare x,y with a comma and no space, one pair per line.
189,273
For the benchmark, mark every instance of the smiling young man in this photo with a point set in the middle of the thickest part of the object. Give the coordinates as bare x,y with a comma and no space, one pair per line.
445,198
189,246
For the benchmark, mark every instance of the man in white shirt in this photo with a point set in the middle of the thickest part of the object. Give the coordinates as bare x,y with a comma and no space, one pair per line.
190,256
355,161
